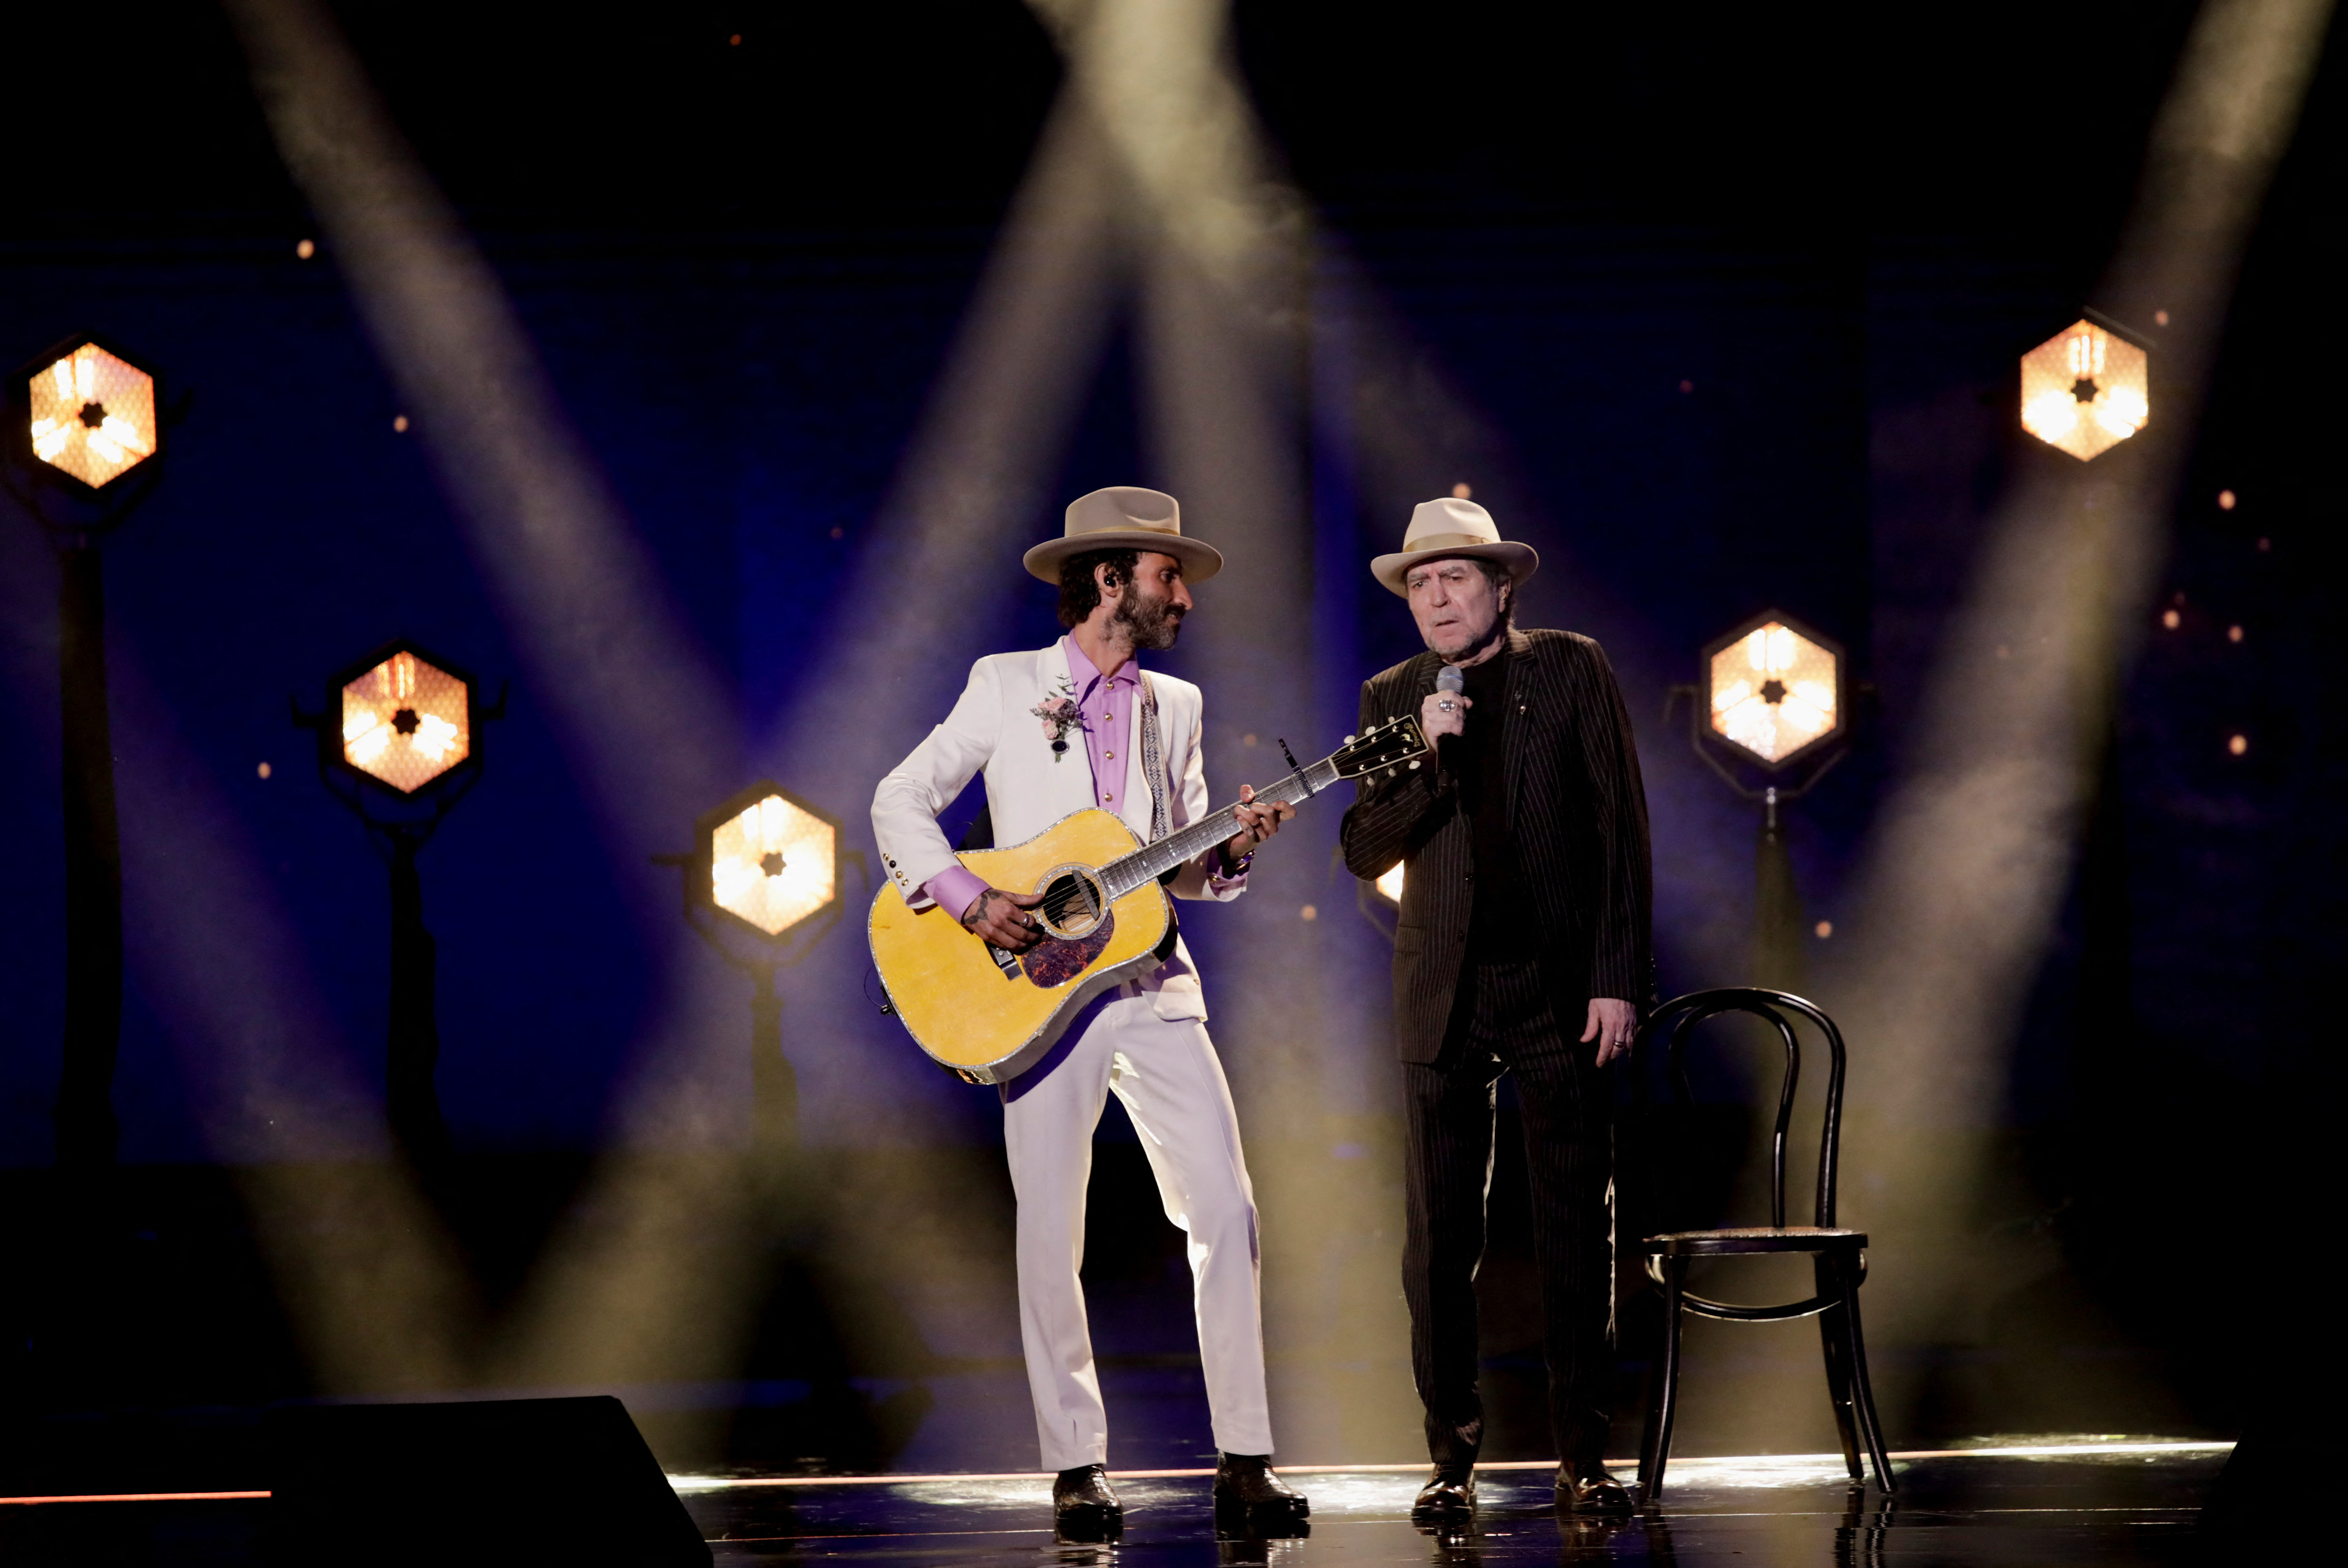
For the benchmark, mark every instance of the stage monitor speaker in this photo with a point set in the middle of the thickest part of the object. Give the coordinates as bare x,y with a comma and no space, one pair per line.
475,1481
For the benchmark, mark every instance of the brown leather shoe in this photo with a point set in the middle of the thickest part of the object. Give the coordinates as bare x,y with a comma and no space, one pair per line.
1597,1492
1449,1499
1084,1505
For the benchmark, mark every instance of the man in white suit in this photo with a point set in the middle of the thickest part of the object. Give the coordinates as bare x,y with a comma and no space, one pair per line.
1055,731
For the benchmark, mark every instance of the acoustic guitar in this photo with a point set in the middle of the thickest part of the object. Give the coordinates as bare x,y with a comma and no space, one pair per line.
989,1015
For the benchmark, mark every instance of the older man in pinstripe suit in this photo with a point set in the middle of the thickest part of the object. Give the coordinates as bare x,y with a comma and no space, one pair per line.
1525,910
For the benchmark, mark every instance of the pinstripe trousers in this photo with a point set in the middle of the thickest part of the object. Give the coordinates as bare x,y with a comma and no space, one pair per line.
1503,1022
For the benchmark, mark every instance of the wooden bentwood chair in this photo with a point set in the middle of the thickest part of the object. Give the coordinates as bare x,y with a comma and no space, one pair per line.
1839,1256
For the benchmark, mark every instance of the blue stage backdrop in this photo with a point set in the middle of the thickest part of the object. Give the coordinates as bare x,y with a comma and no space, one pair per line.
1690,429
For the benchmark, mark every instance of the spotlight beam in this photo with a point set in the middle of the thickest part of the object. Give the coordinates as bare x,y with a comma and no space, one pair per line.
671,1276
1961,884
1158,79
1225,248
974,481
370,1281
2227,120
634,699
637,701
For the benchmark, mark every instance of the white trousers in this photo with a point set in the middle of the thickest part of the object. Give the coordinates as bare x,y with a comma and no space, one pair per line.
1171,1082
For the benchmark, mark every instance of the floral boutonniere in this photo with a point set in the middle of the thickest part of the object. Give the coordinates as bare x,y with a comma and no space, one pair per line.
1060,716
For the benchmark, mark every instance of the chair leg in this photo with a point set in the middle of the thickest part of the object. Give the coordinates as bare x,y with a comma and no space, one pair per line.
1835,1342
1654,1421
1869,1425
1666,1384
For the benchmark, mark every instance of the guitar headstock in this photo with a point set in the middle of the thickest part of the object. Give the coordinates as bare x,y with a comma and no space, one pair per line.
1390,745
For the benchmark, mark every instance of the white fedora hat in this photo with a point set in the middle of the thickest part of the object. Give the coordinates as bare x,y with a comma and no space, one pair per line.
1449,527
1126,517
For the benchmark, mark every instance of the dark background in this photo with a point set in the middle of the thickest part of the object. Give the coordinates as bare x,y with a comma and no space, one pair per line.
1738,293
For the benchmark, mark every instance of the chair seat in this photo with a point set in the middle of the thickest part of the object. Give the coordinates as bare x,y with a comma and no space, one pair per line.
1755,1239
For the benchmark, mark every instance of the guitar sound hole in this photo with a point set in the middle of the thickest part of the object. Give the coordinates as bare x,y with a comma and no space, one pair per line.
1071,906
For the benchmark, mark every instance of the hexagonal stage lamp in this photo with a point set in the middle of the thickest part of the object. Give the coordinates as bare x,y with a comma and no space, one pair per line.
400,744
765,865
87,418
2085,390
772,861
1773,690
92,415
407,719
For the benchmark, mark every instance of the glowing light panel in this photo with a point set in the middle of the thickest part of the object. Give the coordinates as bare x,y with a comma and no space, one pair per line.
93,416
773,864
407,722
1773,692
2084,390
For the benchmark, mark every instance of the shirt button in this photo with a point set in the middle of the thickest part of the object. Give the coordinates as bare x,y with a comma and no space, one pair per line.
1108,756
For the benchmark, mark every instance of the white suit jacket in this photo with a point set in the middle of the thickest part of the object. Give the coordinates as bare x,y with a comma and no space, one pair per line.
1029,788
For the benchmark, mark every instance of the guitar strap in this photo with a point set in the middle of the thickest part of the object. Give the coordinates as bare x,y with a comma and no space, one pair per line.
1153,761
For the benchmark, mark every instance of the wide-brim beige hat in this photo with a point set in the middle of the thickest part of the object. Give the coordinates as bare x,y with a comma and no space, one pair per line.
1126,517
1450,527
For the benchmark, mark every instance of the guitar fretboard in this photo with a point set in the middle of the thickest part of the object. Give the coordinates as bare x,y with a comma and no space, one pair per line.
1152,862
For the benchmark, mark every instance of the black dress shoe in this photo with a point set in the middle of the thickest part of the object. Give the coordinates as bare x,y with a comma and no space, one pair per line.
1449,1499
1084,1508
1246,1491
1596,1492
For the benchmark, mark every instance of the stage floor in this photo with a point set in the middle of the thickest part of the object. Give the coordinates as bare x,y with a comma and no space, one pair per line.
2017,1502
2067,1503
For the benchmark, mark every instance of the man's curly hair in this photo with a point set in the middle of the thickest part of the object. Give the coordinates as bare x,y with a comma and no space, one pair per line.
1078,590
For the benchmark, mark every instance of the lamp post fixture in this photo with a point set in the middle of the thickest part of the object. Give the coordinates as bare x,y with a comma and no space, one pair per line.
1771,700
2085,389
400,744
762,885
84,448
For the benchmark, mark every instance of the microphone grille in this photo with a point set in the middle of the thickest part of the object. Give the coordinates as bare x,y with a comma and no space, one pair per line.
1448,678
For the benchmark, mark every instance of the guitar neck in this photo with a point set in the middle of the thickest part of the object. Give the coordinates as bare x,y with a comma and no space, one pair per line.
1152,862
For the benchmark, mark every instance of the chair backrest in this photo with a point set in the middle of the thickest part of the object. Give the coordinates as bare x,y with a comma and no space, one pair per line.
1675,1018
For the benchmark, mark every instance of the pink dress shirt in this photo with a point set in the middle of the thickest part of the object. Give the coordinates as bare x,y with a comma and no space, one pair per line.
1107,705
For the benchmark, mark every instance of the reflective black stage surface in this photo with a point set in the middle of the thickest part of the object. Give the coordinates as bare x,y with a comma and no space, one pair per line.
2114,1503
2118,1503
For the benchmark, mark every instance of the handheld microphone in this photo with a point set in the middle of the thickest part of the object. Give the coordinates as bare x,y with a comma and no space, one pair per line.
1452,681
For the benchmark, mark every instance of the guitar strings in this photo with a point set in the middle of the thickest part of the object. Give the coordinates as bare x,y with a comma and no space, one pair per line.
1070,892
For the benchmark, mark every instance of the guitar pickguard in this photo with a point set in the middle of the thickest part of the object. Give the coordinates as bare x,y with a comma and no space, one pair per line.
1054,962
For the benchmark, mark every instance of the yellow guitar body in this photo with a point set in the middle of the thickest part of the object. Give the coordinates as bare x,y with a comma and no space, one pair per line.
986,1016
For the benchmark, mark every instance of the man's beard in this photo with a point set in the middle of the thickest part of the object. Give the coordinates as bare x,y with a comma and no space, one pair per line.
1150,619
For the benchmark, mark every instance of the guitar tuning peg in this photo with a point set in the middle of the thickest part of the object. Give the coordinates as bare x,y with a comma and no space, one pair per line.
1413,764
1349,740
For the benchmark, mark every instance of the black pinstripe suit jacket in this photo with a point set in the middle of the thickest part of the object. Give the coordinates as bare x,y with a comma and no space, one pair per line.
1579,821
